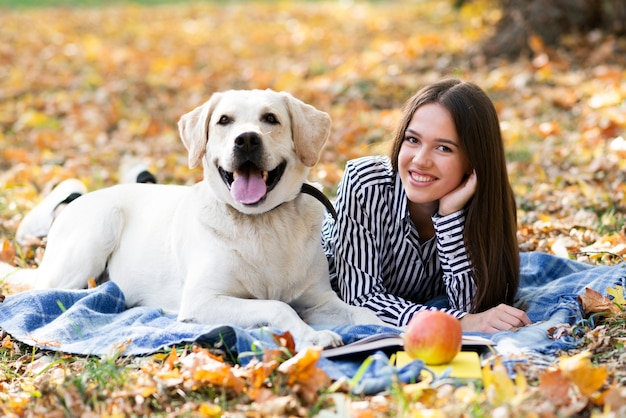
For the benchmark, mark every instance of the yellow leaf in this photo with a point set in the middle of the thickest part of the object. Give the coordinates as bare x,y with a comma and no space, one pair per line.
498,385
414,391
169,374
520,382
147,391
579,370
210,410
301,366
618,294
7,342
33,119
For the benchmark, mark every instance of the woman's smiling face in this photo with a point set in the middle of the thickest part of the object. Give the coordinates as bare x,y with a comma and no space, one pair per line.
431,162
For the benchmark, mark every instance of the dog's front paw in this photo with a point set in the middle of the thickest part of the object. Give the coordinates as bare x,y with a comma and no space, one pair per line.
323,338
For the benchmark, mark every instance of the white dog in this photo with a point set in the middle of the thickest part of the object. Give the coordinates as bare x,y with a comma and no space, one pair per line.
241,247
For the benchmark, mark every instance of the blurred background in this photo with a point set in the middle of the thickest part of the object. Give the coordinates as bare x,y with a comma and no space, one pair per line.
88,86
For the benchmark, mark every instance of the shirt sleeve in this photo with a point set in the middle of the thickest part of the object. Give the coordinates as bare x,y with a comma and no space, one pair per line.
457,269
358,254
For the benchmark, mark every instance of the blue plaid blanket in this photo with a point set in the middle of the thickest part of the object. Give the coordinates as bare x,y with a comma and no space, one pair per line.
96,322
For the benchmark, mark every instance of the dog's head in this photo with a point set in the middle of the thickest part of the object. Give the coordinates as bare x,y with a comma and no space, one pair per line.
256,146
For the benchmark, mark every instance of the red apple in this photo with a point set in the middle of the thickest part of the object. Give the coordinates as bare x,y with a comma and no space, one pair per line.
434,337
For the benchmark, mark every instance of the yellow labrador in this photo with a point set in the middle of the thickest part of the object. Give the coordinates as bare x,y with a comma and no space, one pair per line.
241,247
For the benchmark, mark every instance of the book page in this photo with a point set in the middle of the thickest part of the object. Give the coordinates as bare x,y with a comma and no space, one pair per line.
388,341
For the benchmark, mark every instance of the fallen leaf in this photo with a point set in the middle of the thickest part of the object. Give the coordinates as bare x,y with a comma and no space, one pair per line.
498,385
593,302
303,374
618,295
285,340
555,386
615,398
91,283
206,369
7,251
579,370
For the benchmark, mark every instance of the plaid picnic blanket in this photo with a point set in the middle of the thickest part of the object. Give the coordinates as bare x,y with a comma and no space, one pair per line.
549,290
96,322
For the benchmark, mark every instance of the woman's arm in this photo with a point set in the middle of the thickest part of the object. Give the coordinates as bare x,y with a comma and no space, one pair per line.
499,318
455,263
459,280
360,251
449,224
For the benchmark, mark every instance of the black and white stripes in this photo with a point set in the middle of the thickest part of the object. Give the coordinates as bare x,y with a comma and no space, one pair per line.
375,257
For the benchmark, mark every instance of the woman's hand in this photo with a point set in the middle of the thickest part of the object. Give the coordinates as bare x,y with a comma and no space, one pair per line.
501,318
457,198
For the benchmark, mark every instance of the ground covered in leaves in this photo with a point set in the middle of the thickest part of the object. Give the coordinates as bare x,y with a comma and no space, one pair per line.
85,91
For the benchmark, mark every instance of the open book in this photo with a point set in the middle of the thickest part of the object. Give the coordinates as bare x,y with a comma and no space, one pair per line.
389,341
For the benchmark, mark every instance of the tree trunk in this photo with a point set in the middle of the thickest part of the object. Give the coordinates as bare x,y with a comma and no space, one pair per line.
549,19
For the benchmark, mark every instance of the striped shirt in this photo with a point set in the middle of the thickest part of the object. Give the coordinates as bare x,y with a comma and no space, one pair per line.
375,257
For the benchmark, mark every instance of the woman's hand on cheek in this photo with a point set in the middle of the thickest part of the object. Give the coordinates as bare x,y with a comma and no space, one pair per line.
500,318
458,198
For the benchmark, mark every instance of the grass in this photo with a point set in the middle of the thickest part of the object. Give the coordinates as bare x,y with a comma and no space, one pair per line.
54,383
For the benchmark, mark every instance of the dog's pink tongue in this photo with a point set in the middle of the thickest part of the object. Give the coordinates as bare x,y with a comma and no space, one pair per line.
248,188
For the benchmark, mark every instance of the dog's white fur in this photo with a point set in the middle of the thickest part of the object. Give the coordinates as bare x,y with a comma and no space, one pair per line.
199,252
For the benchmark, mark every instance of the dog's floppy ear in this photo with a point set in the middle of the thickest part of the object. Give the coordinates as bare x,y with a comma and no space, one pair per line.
310,129
193,128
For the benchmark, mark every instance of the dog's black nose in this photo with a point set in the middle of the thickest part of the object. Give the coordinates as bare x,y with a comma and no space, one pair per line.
248,141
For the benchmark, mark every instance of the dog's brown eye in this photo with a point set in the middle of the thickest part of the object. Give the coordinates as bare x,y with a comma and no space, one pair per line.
270,118
224,120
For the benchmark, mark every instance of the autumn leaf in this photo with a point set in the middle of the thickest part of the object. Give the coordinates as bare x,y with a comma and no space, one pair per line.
259,371
201,367
579,370
210,410
498,385
218,374
555,386
285,340
615,398
7,251
301,367
302,373
593,302
618,295
421,391
91,283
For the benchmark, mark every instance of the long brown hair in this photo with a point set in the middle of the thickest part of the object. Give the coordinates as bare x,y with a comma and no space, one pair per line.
491,220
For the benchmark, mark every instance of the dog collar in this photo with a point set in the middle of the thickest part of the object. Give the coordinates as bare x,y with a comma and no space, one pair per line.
317,193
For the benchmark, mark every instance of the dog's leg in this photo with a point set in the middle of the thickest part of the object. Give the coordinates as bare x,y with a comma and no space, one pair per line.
79,245
254,313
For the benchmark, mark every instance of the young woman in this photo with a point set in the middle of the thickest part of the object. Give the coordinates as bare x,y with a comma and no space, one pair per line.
434,225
